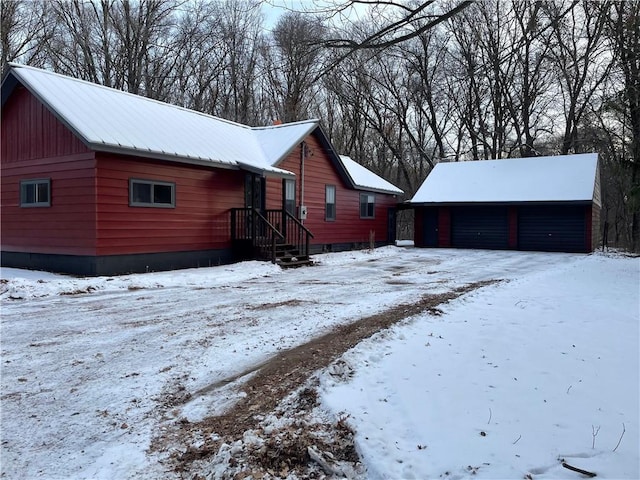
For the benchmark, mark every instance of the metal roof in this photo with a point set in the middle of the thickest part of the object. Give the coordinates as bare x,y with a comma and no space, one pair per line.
564,178
106,119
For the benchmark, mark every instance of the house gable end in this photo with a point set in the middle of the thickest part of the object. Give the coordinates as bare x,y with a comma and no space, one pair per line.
9,83
31,130
334,158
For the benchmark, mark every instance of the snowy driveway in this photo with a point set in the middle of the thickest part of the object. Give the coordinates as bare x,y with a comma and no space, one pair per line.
89,366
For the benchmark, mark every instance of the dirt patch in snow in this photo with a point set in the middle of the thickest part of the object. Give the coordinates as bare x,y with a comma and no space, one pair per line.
284,375
287,303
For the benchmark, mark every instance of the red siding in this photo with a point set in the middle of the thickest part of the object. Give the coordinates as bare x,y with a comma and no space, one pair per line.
444,227
36,145
418,227
30,131
90,212
588,231
348,227
596,227
200,220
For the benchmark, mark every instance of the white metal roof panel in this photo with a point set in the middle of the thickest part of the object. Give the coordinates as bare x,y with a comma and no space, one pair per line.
536,179
107,118
364,178
276,141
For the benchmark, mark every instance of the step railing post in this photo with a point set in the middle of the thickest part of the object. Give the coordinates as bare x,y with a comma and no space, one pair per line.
254,228
233,225
273,248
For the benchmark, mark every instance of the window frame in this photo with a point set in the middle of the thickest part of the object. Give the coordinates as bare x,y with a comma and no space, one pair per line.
327,216
152,203
367,214
35,181
289,204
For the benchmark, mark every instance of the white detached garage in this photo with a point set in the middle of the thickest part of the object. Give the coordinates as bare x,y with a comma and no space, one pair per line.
538,203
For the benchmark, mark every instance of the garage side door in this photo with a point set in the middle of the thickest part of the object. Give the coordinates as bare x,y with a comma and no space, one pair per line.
430,227
552,229
479,227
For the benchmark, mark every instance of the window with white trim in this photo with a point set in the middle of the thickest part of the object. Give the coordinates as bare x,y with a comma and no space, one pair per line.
367,205
330,202
35,192
290,196
151,193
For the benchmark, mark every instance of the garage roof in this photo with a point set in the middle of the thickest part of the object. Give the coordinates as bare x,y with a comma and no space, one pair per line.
565,178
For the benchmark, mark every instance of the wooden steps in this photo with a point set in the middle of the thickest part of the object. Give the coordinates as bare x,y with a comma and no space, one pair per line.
288,256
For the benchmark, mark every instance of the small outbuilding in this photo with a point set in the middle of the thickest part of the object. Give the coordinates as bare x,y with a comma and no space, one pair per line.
539,203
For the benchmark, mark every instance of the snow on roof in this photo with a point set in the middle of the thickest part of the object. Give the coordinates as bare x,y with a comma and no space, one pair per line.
277,141
363,178
113,120
536,179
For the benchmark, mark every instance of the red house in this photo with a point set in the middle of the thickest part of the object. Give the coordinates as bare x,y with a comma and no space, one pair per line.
96,181
540,203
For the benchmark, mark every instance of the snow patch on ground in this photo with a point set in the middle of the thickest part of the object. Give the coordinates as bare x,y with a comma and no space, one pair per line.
507,382
93,368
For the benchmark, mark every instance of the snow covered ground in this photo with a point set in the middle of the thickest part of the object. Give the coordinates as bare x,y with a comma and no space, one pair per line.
508,380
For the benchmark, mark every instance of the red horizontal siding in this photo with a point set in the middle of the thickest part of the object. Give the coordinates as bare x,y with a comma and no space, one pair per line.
68,225
200,220
348,227
36,145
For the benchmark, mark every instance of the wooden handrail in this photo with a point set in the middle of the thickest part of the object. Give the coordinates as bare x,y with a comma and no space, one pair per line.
266,231
297,222
267,223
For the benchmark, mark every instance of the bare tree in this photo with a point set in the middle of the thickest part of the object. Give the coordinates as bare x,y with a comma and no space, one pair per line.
292,64
241,36
582,61
25,29
405,21
624,32
117,43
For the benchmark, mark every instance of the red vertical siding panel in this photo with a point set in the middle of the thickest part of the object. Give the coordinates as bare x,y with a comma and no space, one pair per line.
513,228
31,131
444,227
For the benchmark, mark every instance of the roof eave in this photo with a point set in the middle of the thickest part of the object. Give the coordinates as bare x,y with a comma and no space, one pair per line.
118,149
378,190
277,173
499,203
